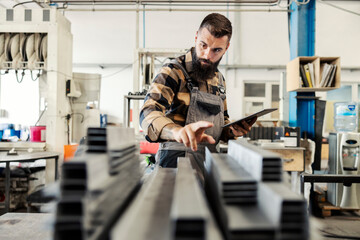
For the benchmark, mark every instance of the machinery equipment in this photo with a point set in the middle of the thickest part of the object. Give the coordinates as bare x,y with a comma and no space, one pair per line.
39,42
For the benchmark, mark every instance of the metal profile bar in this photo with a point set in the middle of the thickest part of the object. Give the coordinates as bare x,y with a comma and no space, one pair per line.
68,230
96,140
119,139
249,223
102,213
150,210
263,165
236,186
286,209
213,194
188,212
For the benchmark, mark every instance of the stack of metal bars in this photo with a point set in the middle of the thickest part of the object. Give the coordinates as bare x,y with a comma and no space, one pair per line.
237,185
263,165
96,140
121,148
170,205
70,207
239,217
89,186
286,209
277,214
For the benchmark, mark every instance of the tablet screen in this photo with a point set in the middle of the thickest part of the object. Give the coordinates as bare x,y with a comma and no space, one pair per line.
250,117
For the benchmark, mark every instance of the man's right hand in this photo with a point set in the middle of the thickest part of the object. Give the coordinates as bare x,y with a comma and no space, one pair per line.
192,134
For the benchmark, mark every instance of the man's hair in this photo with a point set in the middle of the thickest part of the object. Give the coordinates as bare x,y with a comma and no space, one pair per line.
217,24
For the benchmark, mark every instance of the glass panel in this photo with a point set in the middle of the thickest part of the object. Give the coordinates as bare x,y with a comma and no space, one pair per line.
342,94
275,100
275,93
254,90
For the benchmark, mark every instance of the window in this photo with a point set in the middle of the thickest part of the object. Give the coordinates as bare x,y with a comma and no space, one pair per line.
19,100
342,94
259,95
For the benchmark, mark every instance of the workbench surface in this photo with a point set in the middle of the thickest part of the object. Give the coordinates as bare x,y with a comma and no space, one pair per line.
29,226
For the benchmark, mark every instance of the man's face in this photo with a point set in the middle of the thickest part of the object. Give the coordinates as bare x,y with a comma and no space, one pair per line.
208,52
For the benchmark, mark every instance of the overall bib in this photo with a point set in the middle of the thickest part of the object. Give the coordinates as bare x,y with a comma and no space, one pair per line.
203,106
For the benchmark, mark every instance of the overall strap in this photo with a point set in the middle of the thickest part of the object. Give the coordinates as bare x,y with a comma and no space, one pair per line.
188,79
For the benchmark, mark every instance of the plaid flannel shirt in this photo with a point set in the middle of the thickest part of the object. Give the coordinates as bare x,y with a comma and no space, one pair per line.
168,98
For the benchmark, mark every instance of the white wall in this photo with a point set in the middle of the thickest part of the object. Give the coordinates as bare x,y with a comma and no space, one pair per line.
260,38
338,32
109,38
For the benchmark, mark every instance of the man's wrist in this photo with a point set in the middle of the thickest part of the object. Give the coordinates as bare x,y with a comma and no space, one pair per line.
168,131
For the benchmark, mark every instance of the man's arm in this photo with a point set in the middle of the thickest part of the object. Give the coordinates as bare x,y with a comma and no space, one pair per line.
167,131
157,101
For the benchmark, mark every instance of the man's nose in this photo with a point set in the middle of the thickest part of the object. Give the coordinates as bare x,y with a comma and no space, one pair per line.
207,54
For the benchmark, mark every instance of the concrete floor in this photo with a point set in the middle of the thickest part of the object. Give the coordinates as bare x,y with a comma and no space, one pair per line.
342,225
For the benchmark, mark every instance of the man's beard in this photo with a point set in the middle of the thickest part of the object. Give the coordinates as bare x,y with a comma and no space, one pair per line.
203,72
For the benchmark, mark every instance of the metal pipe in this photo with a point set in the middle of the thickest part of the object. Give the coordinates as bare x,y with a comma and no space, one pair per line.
174,10
162,1
226,66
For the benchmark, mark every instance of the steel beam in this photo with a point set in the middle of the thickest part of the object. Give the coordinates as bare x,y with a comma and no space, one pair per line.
263,165
285,209
148,217
235,185
189,213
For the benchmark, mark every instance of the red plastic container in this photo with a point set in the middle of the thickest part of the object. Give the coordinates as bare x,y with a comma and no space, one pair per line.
38,133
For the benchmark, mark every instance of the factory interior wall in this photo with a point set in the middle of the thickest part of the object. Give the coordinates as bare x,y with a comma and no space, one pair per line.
103,40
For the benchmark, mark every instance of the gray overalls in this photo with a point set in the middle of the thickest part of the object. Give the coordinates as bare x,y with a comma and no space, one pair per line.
203,106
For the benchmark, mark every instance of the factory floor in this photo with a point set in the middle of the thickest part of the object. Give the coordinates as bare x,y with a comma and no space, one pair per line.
343,225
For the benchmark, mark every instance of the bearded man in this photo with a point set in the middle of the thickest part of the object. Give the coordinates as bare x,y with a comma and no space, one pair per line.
185,107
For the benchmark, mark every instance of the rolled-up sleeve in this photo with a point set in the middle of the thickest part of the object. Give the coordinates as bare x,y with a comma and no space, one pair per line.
156,103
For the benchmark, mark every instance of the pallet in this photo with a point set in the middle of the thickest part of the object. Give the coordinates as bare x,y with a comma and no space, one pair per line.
327,209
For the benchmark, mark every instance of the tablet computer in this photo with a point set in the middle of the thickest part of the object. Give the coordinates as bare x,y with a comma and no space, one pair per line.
250,117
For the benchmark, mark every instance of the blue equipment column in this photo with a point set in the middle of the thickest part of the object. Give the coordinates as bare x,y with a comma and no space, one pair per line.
302,43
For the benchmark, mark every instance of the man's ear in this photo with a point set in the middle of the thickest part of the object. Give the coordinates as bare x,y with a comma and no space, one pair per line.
227,46
196,35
